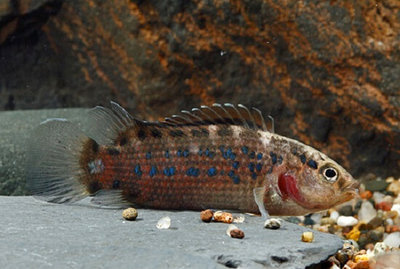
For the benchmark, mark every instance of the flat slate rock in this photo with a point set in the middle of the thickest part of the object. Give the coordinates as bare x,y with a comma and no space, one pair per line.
37,234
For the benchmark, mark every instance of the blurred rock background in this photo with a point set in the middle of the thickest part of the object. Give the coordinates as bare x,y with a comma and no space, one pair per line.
327,71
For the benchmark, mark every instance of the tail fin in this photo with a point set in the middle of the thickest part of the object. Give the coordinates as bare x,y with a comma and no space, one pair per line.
53,169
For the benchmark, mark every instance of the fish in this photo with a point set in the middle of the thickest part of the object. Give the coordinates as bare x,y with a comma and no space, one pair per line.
222,156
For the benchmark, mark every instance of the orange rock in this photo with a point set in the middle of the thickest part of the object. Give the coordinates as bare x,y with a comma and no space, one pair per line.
366,195
385,206
206,215
358,265
221,216
354,234
392,228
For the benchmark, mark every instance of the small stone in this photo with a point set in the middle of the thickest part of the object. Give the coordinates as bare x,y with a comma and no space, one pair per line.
366,195
164,223
363,240
393,240
346,210
206,215
294,220
343,256
396,207
380,248
327,221
334,215
367,212
357,265
391,214
323,228
237,233
354,234
375,222
308,220
130,213
238,219
362,257
344,221
376,185
316,217
375,236
351,244
307,237
385,206
272,224
369,246
221,216
394,187
378,197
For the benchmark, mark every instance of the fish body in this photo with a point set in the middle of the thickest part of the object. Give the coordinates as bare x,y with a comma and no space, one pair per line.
213,157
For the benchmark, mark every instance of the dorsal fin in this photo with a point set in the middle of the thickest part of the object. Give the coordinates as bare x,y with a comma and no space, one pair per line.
222,114
105,124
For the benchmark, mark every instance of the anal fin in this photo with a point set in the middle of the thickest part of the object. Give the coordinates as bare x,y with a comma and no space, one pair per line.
259,199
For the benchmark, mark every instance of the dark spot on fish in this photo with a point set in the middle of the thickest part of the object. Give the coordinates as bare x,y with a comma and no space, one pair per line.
303,158
313,164
176,133
280,159
259,156
253,175
116,184
169,171
274,158
137,170
123,141
236,179
153,171
200,153
294,151
235,164
251,167
252,155
204,132
231,173
166,154
212,171
185,153
193,171
222,172
156,133
245,150
141,134
95,146
259,167
224,131
270,170
148,155
113,151
179,153
94,186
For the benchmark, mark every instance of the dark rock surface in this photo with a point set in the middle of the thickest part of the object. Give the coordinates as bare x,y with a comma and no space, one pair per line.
36,234
326,70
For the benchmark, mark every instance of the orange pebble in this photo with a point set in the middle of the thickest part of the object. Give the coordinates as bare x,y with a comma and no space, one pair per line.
358,265
385,206
366,195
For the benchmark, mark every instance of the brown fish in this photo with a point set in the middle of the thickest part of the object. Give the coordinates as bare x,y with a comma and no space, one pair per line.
221,156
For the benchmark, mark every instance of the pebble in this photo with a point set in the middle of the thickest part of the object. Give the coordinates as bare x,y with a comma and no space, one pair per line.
345,221
294,220
380,248
334,215
164,223
367,212
394,187
396,207
308,220
378,197
385,206
272,224
376,185
327,221
366,195
307,237
130,213
239,219
221,216
354,234
393,240
206,215
357,265
234,232
375,222
346,210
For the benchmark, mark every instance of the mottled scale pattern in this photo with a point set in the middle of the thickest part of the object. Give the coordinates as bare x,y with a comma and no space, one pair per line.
188,167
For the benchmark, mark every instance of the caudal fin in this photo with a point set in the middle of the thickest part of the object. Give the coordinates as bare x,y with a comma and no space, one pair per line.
54,172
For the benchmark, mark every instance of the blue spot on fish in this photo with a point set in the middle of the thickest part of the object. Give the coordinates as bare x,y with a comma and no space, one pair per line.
200,152
259,156
252,155
251,167
236,179
172,170
148,155
153,171
245,150
137,170
259,167
185,153
179,153
231,173
207,152
232,156
235,164
221,148
254,176
169,171
273,157
167,154
212,171
193,172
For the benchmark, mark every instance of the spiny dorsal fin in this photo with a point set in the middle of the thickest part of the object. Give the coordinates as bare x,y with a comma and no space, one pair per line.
222,114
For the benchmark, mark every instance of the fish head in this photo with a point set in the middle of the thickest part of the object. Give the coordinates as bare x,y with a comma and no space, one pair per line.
317,184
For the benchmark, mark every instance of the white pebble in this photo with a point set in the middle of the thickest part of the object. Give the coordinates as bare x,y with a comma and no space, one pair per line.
396,207
272,224
316,217
393,240
380,248
389,222
367,212
378,197
334,215
239,219
345,221
164,223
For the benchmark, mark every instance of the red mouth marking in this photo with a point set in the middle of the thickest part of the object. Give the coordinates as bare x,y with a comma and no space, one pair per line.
288,187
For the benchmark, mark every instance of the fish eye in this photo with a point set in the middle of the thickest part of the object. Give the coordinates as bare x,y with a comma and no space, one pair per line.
330,174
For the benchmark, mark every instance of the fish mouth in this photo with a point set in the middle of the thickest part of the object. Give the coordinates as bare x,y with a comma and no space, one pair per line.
352,190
